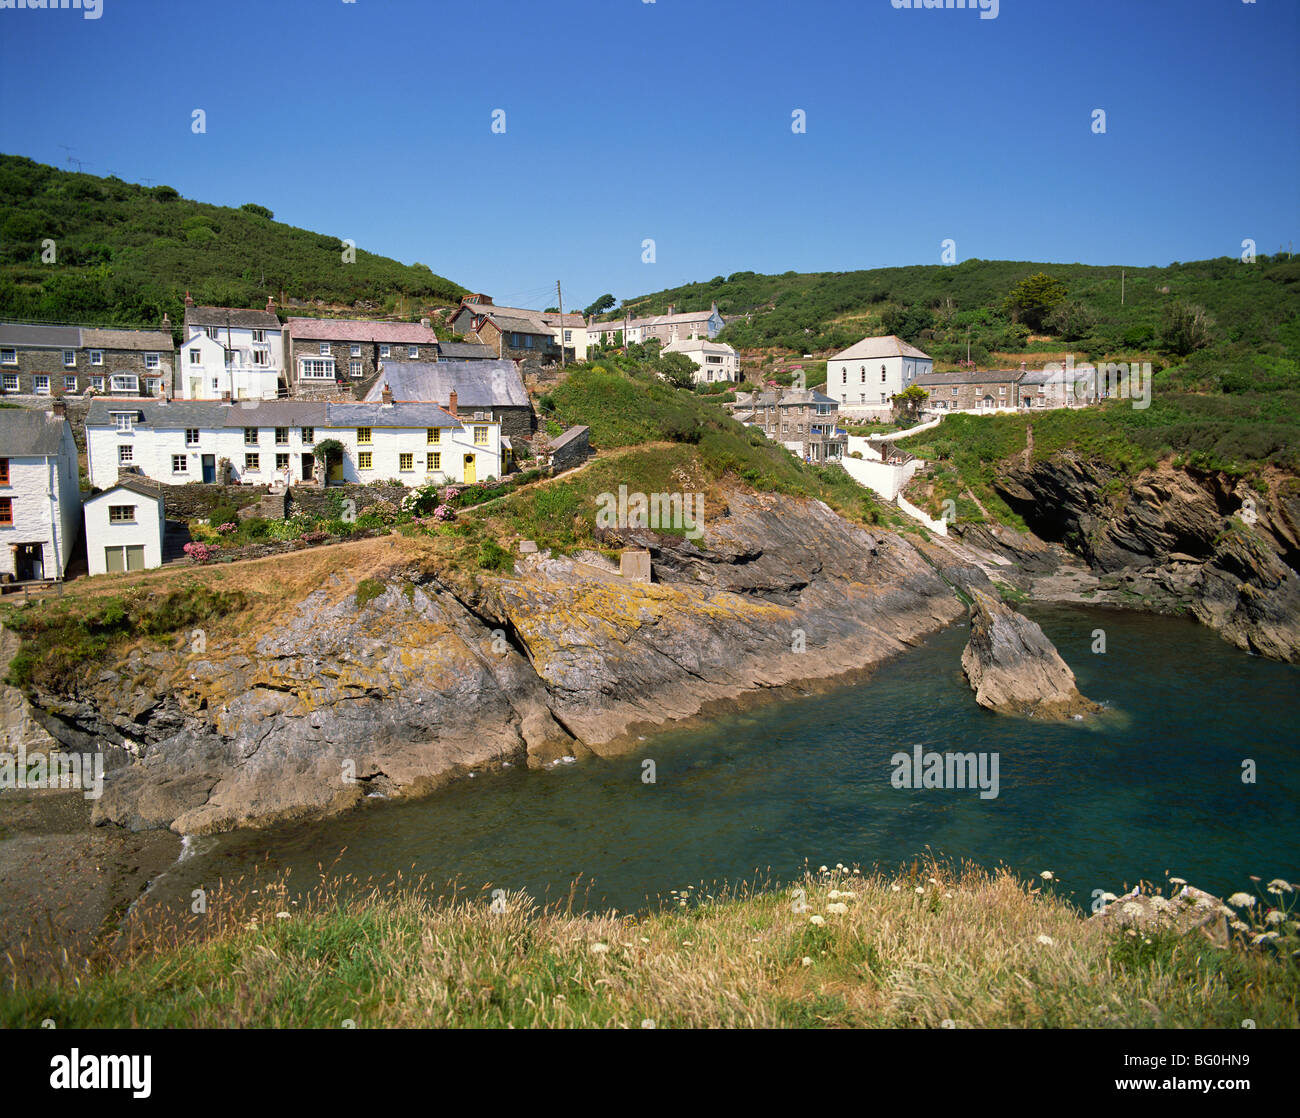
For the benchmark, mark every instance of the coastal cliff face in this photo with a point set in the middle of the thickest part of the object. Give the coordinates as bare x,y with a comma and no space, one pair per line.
1179,539
397,694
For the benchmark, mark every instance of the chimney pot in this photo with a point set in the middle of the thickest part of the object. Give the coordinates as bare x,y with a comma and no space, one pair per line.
270,305
386,395
189,300
451,402
59,409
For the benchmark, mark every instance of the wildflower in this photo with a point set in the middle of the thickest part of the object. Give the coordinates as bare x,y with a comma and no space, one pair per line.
1046,941
1239,926
1275,917
818,920
1242,900
895,888
644,939
1130,932
822,869
1277,885
920,890
1177,881
1263,937
1047,875
282,916
807,962
837,909
599,948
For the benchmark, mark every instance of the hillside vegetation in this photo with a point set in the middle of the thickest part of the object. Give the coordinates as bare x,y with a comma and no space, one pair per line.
932,946
125,253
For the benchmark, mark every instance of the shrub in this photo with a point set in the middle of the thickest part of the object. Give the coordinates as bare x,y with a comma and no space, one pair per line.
493,557
199,552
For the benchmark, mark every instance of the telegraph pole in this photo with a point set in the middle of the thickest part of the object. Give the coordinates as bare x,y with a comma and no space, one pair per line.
559,299
1121,287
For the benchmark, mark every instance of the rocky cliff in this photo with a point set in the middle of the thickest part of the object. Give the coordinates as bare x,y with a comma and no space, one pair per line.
396,694
1177,538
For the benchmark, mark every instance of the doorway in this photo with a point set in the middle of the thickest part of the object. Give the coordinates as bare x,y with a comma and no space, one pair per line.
308,464
29,562
471,473
209,469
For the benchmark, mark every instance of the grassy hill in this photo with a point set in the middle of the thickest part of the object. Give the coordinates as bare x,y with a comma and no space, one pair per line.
126,253
936,306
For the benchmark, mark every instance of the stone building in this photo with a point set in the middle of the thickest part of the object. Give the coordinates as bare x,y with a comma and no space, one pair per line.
329,353
40,360
482,389
802,420
971,390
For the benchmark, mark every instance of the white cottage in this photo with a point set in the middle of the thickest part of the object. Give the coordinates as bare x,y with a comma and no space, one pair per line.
230,352
40,497
715,360
124,527
869,374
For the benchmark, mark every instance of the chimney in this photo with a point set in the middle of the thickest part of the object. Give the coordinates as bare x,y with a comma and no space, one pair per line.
387,396
451,402
1022,368
671,308
59,409
426,323
167,321
270,305
189,301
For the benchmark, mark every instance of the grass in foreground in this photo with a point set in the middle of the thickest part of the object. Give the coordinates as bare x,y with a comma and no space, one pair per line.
926,947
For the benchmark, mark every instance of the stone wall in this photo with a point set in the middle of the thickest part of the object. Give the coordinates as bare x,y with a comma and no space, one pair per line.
321,502
50,363
574,450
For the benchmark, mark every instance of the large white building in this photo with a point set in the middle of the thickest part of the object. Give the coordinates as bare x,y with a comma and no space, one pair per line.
264,442
675,326
40,497
715,361
866,376
228,352
124,527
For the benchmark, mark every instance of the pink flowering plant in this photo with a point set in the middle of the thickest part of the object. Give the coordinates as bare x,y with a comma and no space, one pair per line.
199,552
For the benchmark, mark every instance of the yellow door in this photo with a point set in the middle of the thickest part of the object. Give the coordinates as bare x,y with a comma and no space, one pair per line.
471,475
336,469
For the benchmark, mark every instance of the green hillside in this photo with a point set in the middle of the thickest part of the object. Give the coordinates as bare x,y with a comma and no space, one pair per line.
127,253
942,307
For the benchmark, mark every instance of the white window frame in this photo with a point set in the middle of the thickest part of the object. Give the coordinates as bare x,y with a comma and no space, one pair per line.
180,463
10,383
324,349
384,351
354,368
41,384
123,421
8,357
124,382
125,454
96,356
152,361
307,364
128,510
192,431
69,358
97,383
70,387
354,351
412,351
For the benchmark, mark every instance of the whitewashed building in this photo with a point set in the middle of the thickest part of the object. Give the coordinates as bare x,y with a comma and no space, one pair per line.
275,441
716,361
40,498
867,376
230,352
124,527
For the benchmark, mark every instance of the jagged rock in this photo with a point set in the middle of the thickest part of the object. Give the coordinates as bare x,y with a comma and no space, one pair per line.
1190,910
1014,669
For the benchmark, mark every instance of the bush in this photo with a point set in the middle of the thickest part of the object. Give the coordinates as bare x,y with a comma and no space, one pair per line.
493,557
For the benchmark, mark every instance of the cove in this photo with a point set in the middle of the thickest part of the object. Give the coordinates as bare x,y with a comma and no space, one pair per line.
1154,785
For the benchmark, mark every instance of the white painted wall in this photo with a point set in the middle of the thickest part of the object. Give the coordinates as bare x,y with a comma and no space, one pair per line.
389,443
880,477
147,530
241,377
46,501
848,381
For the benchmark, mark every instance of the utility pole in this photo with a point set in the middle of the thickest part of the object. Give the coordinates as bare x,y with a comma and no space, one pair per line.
559,299
1121,287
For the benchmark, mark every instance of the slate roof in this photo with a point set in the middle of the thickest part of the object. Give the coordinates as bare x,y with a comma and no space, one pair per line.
703,345
359,330
970,376
150,341
510,324
208,414
15,334
569,436
890,345
143,486
24,433
389,415
794,396
466,351
231,316
477,384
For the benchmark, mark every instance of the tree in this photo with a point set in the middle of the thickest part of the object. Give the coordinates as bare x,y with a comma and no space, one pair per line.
1071,320
909,402
604,303
1187,328
907,322
1034,298
677,369
254,208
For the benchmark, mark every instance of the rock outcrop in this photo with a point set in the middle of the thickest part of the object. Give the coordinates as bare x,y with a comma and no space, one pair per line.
1014,669
398,694
1188,911
1177,539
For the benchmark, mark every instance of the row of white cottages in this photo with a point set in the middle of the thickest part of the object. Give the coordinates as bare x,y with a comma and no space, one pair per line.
136,448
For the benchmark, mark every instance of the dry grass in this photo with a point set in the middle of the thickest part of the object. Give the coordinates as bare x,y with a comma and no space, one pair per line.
933,946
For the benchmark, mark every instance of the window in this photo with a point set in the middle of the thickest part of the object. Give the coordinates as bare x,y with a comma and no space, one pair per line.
41,384
69,358
954,390
124,382
884,397
124,421
8,357
324,349
11,382
259,337
383,351
568,335
413,351
121,514
96,356
180,463
196,357
1003,390
480,436
433,460
364,460
363,435
253,463
97,383
211,331
882,374
6,510
125,454
215,384
282,436
4,471
317,370
406,462
261,357
250,436
844,376
356,351
281,462
191,436
308,436
354,368
433,435
151,361
70,384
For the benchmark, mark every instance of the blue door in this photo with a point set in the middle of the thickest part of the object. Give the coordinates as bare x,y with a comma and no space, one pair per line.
209,469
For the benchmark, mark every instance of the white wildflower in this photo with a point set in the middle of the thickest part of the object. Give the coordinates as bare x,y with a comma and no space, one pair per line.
1047,941
1047,875
818,920
1277,885
599,948
807,962
1242,900
837,909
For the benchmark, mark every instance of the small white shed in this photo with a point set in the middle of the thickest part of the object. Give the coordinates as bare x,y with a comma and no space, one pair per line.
124,527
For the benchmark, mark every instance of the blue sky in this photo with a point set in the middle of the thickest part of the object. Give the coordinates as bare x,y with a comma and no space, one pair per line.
671,120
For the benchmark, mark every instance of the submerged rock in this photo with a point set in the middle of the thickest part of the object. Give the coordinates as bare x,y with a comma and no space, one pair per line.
1014,669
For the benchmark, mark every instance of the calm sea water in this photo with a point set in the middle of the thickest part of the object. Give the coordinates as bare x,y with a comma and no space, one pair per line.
1156,786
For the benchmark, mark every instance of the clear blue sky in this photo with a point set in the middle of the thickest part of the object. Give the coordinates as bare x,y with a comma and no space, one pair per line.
672,120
